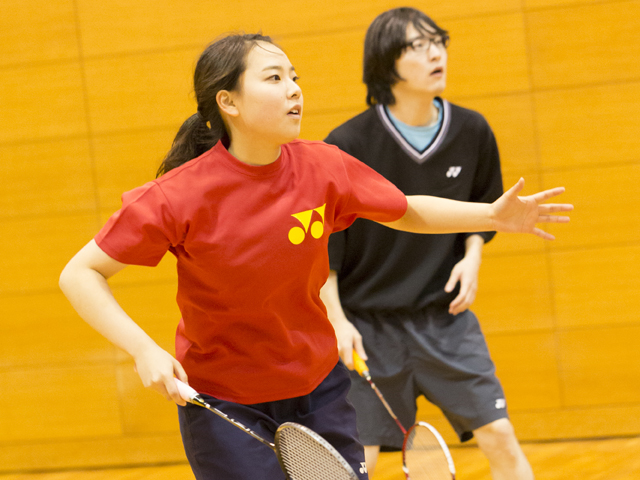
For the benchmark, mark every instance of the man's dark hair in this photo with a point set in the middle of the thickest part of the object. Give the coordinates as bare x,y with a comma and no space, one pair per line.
383,45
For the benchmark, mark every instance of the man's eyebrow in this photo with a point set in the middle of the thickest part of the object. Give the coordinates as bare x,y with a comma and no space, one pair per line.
423,37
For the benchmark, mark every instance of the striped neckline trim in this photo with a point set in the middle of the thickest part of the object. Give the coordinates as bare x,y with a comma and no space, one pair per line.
418,156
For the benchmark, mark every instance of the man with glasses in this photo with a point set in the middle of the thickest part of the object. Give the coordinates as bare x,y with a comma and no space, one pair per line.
401,300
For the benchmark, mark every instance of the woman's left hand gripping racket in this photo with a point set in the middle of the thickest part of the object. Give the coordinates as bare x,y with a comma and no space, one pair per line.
302,453
425,455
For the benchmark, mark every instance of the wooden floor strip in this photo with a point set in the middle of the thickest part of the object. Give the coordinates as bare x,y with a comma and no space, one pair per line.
592,459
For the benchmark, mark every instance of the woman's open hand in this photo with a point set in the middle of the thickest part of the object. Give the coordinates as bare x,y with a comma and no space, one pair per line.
511,213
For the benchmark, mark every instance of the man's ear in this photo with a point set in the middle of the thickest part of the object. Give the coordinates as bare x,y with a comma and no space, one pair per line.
224,98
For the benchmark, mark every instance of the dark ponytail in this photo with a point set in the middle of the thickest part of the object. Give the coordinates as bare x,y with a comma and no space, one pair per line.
219,68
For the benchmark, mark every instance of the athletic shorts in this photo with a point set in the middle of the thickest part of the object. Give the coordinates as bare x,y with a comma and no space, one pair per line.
431,353
217,450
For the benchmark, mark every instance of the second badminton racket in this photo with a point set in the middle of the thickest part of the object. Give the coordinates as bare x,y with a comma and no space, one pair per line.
425,455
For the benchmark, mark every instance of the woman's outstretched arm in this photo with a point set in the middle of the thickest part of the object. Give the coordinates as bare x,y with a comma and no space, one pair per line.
509,213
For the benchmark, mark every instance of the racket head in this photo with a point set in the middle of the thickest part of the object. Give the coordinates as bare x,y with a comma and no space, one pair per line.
425,455
305,455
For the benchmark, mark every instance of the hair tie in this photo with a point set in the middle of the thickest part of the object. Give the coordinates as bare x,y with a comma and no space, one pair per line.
203,120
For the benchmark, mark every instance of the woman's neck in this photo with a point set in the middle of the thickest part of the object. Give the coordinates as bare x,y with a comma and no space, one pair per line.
254,152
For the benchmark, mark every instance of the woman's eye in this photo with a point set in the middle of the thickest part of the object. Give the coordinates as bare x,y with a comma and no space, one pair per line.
274,77
295,79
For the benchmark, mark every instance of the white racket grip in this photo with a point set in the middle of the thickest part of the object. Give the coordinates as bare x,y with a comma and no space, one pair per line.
187,393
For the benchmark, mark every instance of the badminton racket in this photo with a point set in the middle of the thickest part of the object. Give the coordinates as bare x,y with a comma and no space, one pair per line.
301,452
425,455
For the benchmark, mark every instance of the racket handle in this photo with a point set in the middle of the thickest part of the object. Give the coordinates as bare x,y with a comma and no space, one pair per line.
359,365
187,393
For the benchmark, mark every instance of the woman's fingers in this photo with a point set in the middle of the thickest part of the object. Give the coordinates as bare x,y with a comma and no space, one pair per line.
552,219
555,207
542,234
547,194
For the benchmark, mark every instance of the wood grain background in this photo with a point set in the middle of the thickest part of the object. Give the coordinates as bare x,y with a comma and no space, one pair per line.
94,91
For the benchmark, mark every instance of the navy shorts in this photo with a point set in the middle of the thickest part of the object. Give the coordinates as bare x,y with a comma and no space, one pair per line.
432,353
217,450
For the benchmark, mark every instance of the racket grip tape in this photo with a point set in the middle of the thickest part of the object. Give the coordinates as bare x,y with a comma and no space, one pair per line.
359,365
187,393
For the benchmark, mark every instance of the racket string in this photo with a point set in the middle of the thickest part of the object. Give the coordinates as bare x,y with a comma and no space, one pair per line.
305,457
424,456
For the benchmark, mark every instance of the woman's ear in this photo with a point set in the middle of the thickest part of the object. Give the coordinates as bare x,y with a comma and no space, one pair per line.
224,98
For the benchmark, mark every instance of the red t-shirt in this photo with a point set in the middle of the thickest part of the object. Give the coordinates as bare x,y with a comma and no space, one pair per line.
251,248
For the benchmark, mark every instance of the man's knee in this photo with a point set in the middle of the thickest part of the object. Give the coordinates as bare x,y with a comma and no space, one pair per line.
371,453
498,442
497,435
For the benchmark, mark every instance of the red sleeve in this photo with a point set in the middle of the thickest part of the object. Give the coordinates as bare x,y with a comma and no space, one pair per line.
371,196
141,232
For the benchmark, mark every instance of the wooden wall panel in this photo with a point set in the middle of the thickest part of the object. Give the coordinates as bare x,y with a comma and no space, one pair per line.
527,367
539,424
600,366
334,15
511,118
607,208
538,4
143,411
488,56
584,44
93,94
139,91
293,19
604,421
597,287
119,26
441,10
39,249
126,161
59,403
328,82
514,244
35,109
96,452
514,294
316,126
553,424
426,408
47,178
589,126
43,329
37,31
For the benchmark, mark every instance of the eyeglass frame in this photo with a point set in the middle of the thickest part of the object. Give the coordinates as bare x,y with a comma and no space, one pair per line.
440,41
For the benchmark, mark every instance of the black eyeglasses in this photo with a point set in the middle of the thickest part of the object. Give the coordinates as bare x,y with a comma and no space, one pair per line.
423,44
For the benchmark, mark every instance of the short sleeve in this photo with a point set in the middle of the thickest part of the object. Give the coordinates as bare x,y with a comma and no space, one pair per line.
487,183
371,196
142,231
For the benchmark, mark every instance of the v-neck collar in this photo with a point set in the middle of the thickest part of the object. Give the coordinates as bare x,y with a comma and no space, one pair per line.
418,156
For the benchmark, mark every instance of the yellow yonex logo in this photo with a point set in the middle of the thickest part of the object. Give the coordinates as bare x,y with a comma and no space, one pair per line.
297,234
